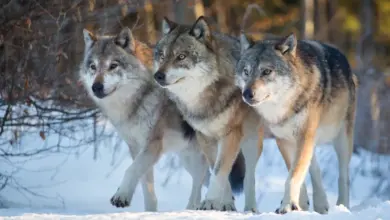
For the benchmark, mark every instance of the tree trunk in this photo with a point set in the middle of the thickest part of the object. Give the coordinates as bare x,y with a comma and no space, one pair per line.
331,6
365,47
320,20
182,11
307,21
198,8
220,8
149,22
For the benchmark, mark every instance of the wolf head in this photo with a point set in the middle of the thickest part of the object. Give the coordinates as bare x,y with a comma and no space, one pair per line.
109,63
265,71
183,53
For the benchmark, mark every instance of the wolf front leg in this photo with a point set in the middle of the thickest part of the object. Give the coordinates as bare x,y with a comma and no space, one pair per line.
196,164
219,195
208,147
150,199
288,150
252,155
142,163
303,157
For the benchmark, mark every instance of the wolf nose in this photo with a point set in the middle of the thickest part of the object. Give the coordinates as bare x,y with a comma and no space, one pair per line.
159,76
248,94
98,89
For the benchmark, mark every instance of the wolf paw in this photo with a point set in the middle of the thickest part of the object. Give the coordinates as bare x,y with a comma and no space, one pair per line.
321,207
192,207
253,210
303,204
288,207
120,199
214,205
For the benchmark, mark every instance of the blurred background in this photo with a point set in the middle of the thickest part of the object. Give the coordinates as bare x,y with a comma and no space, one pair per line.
41,46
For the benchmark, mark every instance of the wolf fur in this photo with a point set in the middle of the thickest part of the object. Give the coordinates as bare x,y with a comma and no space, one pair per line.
116,72
196,67
306,93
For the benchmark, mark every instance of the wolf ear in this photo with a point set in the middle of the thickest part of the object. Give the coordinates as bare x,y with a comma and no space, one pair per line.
287,45
89,38
167,25
246,42
201,30
125,39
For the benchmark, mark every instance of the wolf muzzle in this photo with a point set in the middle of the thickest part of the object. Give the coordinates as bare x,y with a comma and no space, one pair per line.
248,95
98,90
159,77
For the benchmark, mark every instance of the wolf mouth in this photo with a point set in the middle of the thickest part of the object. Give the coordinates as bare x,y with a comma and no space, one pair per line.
179,80
164,84
256,102
103,95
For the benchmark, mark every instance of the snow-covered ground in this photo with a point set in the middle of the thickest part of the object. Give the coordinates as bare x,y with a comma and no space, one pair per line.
74,186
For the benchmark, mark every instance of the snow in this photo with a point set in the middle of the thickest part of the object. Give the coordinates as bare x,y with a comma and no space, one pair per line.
72,185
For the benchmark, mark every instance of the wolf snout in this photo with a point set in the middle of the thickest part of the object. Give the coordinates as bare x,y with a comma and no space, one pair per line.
160,78
98,90
248,95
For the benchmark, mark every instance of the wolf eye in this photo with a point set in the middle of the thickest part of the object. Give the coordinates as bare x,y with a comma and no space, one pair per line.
92,66
113,66
181,57
267,72
246,72
161,55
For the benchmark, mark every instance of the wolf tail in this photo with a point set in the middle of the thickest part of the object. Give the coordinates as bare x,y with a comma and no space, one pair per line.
237,174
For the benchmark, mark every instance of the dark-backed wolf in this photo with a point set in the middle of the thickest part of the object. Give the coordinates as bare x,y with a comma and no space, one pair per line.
116,72
306,93
196,67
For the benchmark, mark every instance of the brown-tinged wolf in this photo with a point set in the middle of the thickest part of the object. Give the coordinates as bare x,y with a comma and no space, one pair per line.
306,93
196,67
116,72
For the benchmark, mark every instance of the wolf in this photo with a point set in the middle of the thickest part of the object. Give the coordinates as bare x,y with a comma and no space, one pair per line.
116,72
196,68
306,93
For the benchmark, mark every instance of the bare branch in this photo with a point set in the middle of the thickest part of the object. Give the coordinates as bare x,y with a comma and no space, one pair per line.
3,120
15,9
248,12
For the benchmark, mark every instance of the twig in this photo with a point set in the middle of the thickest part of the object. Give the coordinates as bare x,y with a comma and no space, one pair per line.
248,11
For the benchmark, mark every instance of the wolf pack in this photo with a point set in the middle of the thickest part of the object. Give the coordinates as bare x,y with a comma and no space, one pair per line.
208,97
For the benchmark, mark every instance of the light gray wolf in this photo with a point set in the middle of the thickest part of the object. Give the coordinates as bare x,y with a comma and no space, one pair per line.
306,93
116,72
196,67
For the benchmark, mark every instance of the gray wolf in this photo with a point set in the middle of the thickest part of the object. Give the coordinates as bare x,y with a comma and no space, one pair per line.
196,68
116,72
306,93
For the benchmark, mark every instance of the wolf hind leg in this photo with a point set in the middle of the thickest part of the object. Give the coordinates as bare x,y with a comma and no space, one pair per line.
343,144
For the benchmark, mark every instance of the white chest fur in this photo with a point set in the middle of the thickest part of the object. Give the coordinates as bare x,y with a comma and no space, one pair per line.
291,129
135,129
213,126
